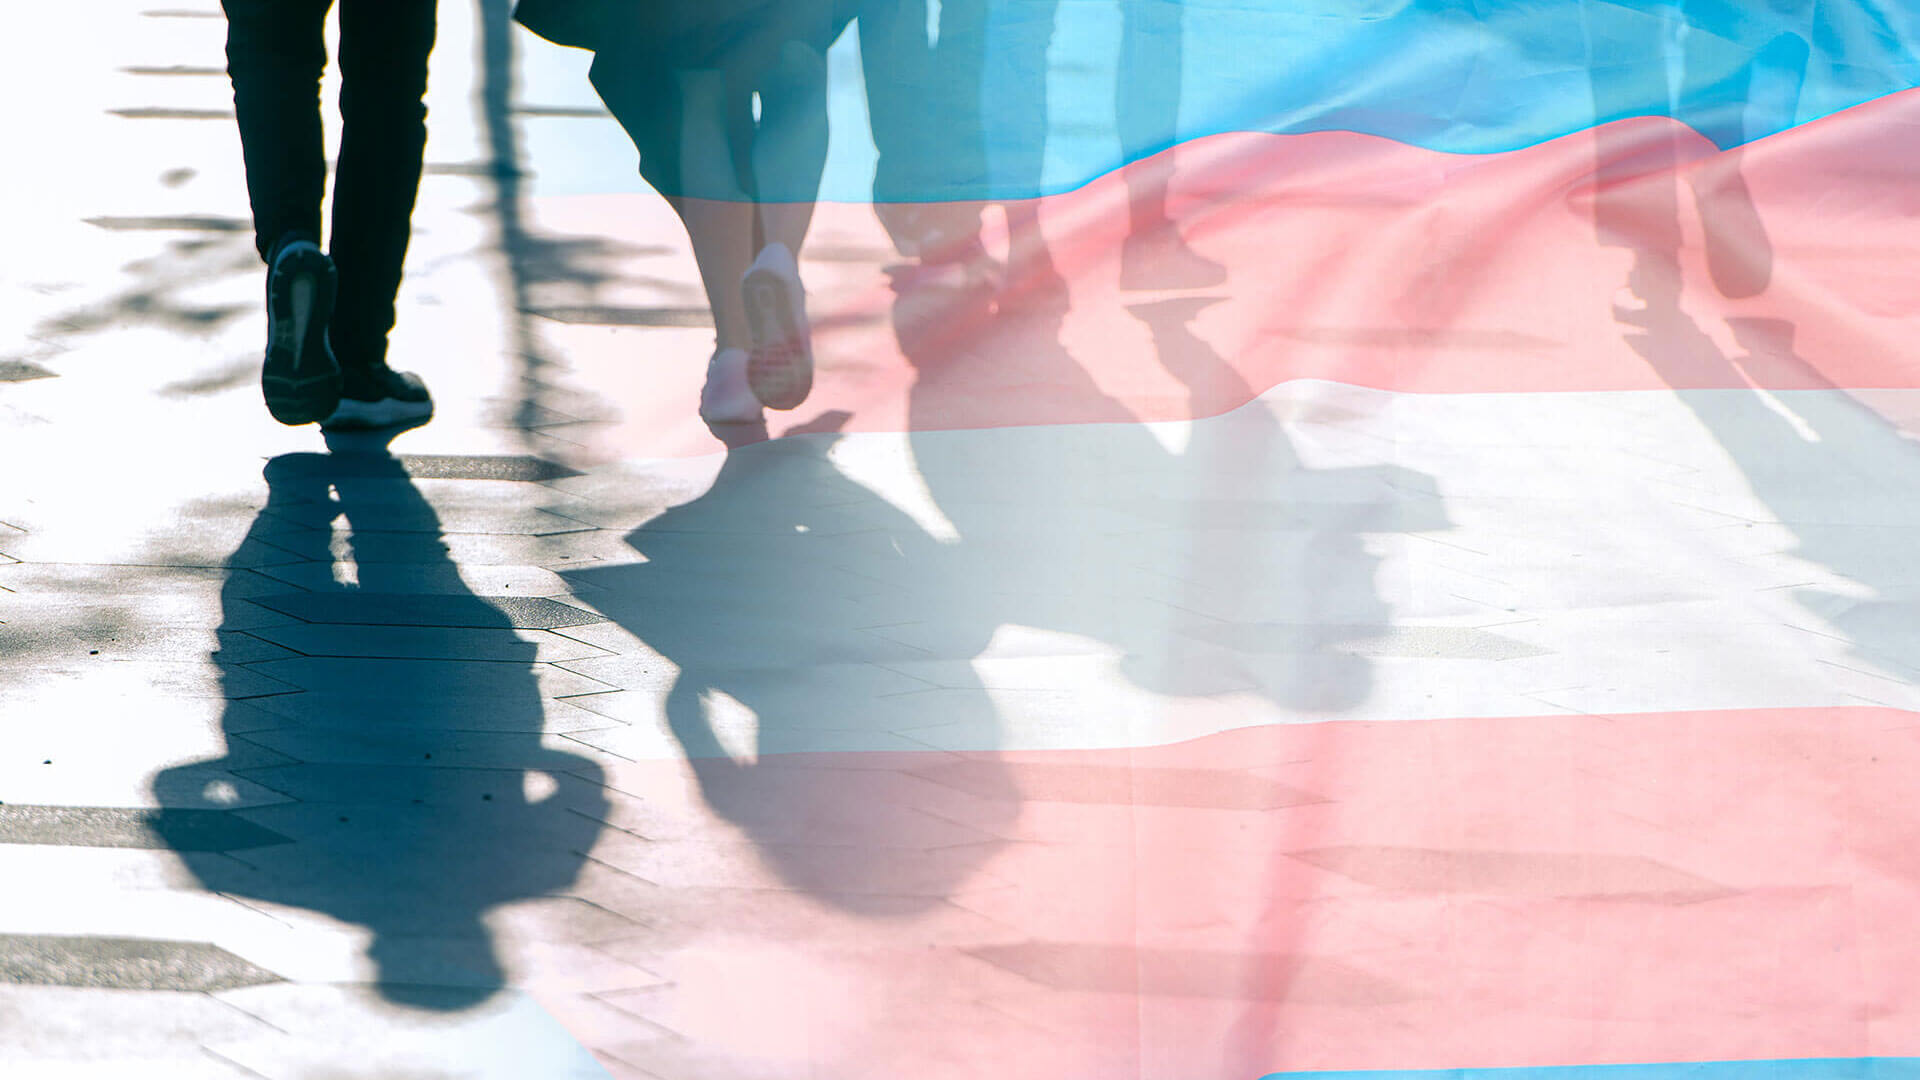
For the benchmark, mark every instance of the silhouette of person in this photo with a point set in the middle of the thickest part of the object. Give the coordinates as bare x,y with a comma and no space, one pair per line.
329,313
416,853
1231,526
760,591
726,103
1229,568
1793,450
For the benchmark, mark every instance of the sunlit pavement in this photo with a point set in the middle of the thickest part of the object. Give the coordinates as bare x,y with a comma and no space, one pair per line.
560,743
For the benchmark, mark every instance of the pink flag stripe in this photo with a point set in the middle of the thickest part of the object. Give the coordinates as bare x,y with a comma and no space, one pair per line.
1360,260
1432,894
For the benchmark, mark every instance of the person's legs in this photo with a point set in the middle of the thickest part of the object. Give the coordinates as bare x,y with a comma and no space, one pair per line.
1019,120
1760,97
711,201
894,63
789,151
785,64
1146,105
680,123
711,160
923,102
1635,194
275,54
1147,115
384,46
683,128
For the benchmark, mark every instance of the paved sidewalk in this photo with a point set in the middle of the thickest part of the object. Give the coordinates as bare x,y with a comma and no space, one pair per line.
140,672
549,740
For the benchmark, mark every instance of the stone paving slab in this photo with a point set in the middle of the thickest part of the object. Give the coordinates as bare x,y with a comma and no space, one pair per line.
513,1037
66,1031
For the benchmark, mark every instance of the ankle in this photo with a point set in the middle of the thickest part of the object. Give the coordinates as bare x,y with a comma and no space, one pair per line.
288,239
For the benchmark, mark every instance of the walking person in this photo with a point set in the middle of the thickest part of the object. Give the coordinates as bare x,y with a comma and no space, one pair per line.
329,312
684,80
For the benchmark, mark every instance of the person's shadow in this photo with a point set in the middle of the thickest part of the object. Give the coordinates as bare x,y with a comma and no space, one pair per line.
1227,566
769,593
1176,587
1840,476
383,835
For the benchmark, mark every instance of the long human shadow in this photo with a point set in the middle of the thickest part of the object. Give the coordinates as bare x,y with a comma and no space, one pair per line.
1226,570
381,835
1841,477
1225,566
767,593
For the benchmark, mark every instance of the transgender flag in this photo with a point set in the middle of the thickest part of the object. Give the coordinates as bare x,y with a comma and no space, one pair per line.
1329,537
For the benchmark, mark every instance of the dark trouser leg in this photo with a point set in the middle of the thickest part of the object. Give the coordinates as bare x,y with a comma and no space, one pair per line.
643,99
1147,105
1022,124
895,63
275,54
383,69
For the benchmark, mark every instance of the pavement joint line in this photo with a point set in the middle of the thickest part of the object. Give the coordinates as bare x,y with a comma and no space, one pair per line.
616,827
599,750
224,1059
264,641
243,774
929,683
1862,671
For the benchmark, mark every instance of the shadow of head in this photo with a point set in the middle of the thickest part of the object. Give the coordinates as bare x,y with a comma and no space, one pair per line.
387,768
763,594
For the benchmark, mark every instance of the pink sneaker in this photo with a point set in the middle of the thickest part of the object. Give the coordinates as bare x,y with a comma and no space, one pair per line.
780,365
726,398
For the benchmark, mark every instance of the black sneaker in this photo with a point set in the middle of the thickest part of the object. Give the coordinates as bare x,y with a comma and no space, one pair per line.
300,379
377,396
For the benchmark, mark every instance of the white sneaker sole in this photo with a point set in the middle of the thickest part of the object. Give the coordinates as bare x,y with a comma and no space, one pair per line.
354,415
780,364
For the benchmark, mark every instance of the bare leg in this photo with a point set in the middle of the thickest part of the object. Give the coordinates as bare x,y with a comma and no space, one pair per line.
790,144
720,223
